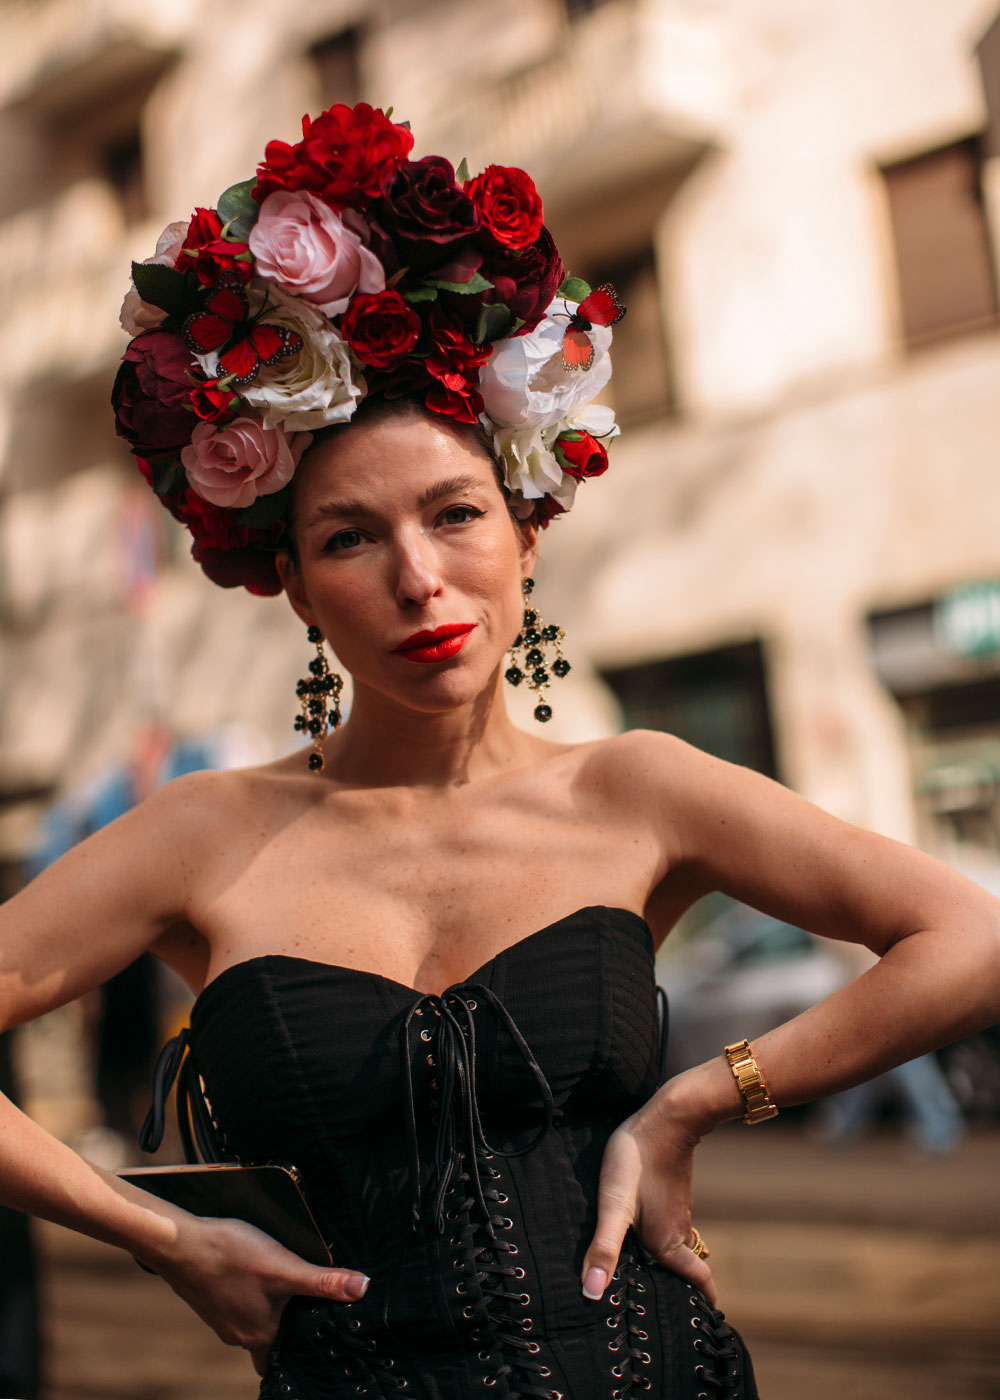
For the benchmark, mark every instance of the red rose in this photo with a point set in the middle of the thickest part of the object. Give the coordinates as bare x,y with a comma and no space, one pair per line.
452,355
422,205
345,155
152,394
460,400
581,455
213,404
508,204
207,254
380,327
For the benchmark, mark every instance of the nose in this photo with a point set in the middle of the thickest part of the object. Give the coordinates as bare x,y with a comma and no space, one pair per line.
418,577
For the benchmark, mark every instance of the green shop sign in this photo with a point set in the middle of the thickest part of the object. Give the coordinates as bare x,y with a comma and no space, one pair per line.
967,620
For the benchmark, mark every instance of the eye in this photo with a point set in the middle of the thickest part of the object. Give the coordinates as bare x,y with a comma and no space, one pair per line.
459,515
343,539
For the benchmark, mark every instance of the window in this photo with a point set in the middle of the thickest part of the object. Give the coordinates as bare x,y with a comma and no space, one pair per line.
640,383
943,256
716,700
336,61
122,160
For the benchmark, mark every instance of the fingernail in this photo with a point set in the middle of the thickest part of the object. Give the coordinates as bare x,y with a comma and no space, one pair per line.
595,1283
357,1285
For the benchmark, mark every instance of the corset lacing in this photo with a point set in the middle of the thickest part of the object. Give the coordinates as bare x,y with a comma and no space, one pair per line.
494,1302
629,1330
719,1365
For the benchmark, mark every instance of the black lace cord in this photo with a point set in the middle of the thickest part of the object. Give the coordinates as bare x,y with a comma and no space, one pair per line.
199,1135
492,1303
630,1332
719,1361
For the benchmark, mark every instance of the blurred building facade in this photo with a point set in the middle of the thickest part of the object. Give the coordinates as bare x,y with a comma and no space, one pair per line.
795,558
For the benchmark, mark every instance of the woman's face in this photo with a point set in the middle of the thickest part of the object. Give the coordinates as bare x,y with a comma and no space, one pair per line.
409,561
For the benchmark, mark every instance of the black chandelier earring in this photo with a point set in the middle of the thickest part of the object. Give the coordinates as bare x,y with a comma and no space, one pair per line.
319,696
533,636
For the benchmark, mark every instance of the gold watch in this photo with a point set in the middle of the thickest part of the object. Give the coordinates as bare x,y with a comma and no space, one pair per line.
750,1082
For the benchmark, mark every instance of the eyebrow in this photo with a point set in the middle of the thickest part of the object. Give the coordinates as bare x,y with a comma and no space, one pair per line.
338,510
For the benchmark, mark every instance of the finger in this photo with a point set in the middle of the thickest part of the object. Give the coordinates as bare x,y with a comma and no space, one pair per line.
615,1210
343,1285
685,1262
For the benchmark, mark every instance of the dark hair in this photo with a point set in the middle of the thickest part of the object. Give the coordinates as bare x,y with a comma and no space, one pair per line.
378,409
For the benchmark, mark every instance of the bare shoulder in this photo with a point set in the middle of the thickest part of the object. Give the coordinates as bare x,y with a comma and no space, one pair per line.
643,765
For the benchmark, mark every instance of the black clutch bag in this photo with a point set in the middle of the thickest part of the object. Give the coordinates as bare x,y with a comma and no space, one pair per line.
269,1195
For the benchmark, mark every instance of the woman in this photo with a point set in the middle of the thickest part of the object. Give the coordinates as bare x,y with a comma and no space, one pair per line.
421,952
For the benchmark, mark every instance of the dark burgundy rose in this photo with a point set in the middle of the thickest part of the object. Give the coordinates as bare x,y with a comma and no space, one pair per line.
526,282
380,327
581,455
152,395
249,568
424,209
546,510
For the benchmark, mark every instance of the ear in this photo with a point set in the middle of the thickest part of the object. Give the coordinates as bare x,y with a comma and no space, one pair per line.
528,534
291,581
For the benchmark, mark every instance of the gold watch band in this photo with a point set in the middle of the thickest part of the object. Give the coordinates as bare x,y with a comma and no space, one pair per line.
750,1082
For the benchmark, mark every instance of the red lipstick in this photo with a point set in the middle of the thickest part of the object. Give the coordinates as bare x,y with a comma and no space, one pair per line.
436,645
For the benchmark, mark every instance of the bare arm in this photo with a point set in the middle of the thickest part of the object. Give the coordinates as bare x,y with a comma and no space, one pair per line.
81,921
938,975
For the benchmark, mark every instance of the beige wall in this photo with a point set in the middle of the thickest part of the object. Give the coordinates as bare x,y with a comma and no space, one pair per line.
812,471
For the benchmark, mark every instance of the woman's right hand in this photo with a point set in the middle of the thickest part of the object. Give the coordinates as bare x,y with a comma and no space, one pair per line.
238,1280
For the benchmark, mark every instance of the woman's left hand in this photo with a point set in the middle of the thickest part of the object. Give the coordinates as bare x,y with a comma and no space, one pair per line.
646,1184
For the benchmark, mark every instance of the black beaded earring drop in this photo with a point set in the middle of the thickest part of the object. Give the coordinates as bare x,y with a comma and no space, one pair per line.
535,634
319,696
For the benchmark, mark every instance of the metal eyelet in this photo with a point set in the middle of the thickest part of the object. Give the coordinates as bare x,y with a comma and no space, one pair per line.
512,1248
519,1272
638,1308
523,1298
467,1311
696,1322
471,1004
643,1336
611,1321
615,1300
354,1323
544,1371
502,1198
430,1060
461,1289
505,1222
484,1356
425,1034
489,1380
645,1358
533,1348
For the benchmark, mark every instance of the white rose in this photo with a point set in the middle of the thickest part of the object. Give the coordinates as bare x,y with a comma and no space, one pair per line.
525,381
529,464
317,385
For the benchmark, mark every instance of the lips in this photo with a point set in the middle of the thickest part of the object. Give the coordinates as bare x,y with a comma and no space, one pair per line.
438,644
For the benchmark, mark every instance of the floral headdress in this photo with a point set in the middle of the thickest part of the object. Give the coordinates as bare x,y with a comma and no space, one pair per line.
345,269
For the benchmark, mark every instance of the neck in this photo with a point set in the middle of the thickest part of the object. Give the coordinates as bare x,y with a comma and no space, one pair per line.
383,744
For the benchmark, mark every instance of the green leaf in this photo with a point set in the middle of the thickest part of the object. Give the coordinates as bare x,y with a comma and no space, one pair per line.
570,435
423,293
476,283
265,510
164,287
406,124
574,289
462,173
168,476
493,324
238,209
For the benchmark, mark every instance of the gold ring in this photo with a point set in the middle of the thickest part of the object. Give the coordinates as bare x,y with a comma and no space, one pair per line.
699,1247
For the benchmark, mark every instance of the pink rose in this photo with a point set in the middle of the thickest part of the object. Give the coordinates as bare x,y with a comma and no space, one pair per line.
235,464
306,248
137,315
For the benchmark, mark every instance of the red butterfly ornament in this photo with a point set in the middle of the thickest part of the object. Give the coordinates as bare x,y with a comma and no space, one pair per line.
600,308
250,343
